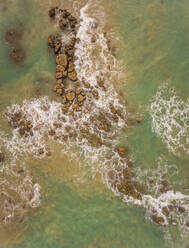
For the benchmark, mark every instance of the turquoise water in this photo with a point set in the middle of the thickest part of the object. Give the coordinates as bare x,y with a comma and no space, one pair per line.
73,214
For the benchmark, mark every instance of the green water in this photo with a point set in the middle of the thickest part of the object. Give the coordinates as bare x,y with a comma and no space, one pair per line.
155,50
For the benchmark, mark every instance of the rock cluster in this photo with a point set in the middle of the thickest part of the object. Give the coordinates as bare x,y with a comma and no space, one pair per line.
17,120
65,60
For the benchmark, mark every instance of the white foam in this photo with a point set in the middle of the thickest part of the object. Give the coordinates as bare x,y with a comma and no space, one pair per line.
170,119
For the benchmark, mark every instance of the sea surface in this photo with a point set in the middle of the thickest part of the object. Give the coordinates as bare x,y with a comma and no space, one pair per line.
62,198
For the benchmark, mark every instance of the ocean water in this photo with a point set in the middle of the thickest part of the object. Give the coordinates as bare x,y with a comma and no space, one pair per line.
64,196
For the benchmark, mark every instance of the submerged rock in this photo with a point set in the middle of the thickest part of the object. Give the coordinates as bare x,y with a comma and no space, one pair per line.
52,12
12,36
17,54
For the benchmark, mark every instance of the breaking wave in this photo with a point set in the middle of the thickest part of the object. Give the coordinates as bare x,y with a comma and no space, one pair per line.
170,119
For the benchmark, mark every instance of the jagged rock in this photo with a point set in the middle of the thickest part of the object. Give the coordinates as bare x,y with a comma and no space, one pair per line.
80,98
51,41
57,47
181,209
127,174
64,73
122,151
59,88
59,81
64,99
59,75
74,106
70,95
59,92
72,76
71,67
158,219
112,109
59,68
100,83
61,59
2,157
63,24
17,54
78,90
95,94
129,163
120,113
65,13
52,13
165,211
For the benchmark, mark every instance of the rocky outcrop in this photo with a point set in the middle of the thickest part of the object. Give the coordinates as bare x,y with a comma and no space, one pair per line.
65,68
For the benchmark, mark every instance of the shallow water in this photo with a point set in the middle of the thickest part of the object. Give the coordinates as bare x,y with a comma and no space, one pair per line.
76,209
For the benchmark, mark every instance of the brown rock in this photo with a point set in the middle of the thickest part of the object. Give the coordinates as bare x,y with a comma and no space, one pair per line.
129,163
127,173
74,106
71,67
112,109
59,75
64,73
158,219
51,41
64,99
95,94
165,211
187,223
59,87
72,76
52,13
61,59
80,98
181,209
122,151
120,113
59,92
63,24
57,47
70,95
59,68
60,81
78,90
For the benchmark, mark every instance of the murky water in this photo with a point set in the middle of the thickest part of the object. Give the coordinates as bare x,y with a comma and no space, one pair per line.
65,196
